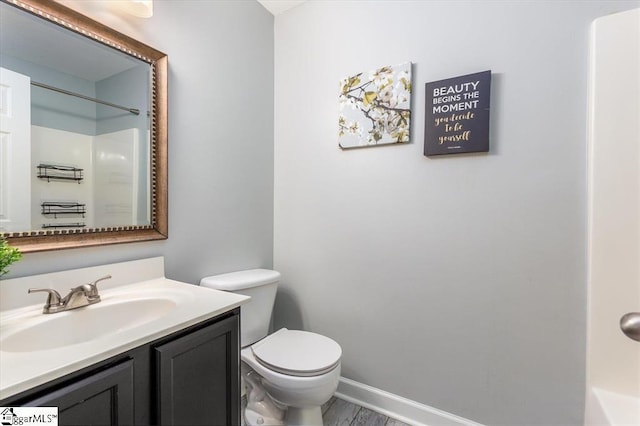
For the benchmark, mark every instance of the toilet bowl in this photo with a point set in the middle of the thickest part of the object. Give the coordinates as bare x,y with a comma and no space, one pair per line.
299,370
288,374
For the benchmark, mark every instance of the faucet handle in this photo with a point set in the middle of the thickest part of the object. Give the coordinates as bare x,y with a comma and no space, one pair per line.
53,299
93,294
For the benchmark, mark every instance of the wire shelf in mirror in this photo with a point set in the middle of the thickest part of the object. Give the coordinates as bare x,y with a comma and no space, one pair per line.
63,225
63,208
54,172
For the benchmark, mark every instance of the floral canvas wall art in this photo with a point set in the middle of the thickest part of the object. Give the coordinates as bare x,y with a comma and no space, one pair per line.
375,107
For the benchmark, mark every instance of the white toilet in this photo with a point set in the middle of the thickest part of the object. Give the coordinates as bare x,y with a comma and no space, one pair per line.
288,374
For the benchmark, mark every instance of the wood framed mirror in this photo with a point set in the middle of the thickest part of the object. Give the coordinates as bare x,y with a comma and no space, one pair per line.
110,202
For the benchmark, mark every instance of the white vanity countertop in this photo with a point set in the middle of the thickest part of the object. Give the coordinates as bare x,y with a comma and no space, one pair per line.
22,369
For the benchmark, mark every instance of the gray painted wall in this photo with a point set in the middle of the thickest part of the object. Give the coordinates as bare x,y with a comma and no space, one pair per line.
220,141
457,282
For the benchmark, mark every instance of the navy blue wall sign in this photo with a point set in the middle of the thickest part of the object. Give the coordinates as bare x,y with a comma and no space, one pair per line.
457,115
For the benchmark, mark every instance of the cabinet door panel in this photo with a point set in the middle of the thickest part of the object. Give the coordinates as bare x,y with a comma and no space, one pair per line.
197,377
104,398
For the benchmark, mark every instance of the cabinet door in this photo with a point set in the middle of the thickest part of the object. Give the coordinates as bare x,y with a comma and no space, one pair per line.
104,398
198,377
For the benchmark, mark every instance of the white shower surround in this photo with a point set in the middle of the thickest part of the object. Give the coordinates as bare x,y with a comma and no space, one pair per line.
613,360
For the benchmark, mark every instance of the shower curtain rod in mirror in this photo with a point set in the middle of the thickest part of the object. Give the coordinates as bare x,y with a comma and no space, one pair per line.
66,92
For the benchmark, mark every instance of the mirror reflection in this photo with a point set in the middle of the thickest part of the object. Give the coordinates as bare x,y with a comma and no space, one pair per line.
75,133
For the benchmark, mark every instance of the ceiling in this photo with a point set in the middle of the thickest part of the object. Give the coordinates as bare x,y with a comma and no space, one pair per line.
276,7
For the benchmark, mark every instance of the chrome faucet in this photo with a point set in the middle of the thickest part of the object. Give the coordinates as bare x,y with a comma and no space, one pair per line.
82,295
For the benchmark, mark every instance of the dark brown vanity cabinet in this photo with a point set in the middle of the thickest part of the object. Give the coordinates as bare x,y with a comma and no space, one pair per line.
197,377
190,377
102,398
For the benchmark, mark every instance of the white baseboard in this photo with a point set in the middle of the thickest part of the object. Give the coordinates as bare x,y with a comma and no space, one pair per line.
397,407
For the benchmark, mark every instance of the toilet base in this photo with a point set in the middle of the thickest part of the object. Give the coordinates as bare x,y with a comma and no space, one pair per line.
308,416
295,417
253,418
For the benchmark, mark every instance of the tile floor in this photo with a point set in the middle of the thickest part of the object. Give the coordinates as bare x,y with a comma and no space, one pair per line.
338,412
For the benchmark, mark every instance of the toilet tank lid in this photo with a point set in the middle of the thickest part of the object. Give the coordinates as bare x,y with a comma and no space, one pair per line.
233,281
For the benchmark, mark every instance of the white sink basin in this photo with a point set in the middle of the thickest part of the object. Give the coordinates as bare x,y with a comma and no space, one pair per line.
36,348
82,325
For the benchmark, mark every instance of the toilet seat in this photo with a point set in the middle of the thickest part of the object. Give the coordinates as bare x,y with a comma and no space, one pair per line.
297,353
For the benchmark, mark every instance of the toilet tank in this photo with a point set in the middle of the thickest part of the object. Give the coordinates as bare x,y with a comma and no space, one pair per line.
261,286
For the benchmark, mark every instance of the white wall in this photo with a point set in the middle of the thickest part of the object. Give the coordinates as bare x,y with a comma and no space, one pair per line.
220,140
457,282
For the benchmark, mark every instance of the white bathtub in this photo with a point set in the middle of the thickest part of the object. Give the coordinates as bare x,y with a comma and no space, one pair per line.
608,408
